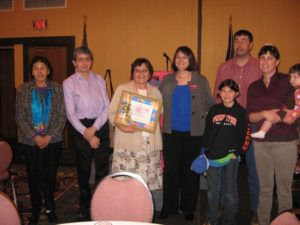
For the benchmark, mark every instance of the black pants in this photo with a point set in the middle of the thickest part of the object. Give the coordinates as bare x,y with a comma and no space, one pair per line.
41,166
180,189
84,157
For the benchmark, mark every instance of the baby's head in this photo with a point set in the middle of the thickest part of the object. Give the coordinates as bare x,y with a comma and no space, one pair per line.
295,75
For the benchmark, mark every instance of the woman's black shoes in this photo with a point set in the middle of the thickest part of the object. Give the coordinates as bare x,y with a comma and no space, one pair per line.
83,213
51,215
189,216
34,219
163,215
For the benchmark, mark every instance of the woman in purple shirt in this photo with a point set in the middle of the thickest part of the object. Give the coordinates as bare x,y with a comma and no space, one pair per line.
276,154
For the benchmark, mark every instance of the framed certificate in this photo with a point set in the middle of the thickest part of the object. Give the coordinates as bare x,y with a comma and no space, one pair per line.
139,110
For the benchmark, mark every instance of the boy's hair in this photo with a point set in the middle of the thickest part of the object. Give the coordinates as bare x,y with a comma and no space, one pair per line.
295,69
244,32
269,48
231,84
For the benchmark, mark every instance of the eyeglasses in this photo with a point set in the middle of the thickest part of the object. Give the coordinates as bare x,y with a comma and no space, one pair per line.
80,60
141,71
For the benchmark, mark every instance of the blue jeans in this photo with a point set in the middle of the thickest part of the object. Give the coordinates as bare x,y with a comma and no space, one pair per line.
252,178
231,201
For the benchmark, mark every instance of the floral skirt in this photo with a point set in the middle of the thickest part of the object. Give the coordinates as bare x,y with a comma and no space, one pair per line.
145,163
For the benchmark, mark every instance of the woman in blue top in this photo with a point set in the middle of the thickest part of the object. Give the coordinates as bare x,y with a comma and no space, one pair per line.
186,98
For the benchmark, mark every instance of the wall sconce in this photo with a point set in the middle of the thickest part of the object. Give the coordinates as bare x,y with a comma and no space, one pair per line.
39,24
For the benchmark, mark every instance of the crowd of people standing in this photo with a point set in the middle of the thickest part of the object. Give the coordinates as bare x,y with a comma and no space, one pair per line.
248,92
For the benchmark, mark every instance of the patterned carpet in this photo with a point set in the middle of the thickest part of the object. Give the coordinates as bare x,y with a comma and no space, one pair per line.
66,179
66,196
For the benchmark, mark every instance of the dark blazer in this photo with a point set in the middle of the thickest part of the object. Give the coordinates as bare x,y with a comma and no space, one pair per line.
57,117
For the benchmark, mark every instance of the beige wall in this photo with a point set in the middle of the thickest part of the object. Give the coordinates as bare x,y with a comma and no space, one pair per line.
118,30
270,21
121,30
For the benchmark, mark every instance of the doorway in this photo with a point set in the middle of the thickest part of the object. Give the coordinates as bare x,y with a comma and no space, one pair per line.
7,93
57,57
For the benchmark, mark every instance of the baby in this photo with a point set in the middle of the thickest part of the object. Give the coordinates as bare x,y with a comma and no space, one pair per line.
287,116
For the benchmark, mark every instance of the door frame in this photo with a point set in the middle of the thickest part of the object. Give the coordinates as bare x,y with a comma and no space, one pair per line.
27,42
7,93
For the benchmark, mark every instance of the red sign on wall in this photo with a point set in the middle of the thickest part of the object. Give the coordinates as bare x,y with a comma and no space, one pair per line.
40,24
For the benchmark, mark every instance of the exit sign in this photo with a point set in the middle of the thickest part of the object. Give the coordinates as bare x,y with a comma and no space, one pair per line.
40,24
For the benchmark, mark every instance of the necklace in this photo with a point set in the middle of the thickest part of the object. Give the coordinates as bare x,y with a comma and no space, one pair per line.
142,91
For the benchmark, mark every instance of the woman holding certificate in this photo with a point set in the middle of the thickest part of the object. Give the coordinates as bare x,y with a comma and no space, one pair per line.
136,149
187,98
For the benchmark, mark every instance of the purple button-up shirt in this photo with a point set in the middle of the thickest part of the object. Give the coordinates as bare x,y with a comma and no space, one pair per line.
244,76
86,99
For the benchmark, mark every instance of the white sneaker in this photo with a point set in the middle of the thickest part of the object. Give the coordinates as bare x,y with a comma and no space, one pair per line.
260,134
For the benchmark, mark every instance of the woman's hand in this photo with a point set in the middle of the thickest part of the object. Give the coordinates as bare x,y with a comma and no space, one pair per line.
47,139
127,129
39,141
272,115
42,141
288,119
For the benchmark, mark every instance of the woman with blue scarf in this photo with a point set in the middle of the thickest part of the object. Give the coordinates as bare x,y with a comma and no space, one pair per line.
40,117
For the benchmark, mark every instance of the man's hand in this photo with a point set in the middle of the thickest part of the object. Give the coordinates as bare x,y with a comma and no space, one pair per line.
89,133
94,142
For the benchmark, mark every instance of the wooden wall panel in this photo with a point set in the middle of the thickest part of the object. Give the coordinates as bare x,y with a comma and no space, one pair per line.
118,31
270,21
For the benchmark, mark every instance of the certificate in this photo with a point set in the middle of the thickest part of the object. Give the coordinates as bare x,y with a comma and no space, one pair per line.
140,110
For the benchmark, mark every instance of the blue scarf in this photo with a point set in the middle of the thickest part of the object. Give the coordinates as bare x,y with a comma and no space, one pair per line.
40,108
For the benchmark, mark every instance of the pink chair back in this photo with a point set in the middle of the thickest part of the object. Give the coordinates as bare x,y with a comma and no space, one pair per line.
5,156
8,212
286,218
122,196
